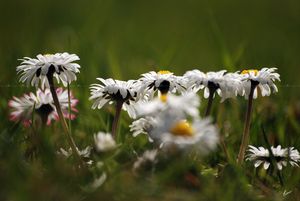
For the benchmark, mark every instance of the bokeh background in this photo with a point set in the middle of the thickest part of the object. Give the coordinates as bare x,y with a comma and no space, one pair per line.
122,39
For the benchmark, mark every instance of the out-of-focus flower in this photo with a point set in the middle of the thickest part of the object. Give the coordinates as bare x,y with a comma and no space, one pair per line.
96,183
176,123
199,135
227,85
187,103
282,156
115,90
60,65
263,78
85,153
104,142
41,103
148,157
142,126
162,81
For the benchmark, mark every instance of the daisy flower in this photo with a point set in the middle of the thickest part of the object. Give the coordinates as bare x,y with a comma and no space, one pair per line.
282,156
263,79
104,142
124,93
226,85
60,65
172,124
251,80
142,126
198,134
43,69
111,90
187,103
184,105
162,81
42,103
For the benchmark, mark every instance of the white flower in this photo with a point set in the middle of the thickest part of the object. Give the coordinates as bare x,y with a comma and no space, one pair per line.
162,81
176,122
187,103
160,116
199,134
227,85
85,153
104,142
264,78
22,108
42,103
115,90
142,126
282,156
61,65
148,157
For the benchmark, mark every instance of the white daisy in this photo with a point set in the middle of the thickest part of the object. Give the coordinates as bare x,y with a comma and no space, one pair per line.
187,103
263,78
200,135
142,126
42,103
22,108
227,85
104,142
169,124
60,65
282,156
115,90
162,81
148,157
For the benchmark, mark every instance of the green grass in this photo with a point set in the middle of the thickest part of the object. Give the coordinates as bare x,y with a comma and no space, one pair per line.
122,39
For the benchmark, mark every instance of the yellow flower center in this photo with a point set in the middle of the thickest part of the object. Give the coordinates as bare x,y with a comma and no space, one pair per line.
182,128
47,55
249,71
162,72
163,97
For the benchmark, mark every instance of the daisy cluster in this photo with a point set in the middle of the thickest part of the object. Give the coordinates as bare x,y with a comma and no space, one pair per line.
167,105
225,84
37,72
164,106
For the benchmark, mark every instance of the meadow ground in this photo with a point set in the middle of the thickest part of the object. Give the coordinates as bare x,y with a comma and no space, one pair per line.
123,39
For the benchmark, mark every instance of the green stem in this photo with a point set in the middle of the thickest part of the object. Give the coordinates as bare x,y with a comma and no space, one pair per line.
245,138
212,91
62,119
69,109
119,105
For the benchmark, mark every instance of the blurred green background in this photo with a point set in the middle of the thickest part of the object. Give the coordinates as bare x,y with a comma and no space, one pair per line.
124,38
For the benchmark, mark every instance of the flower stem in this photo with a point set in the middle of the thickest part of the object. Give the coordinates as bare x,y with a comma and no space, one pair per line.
212,89
245,138
119,105
62,119
69,105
